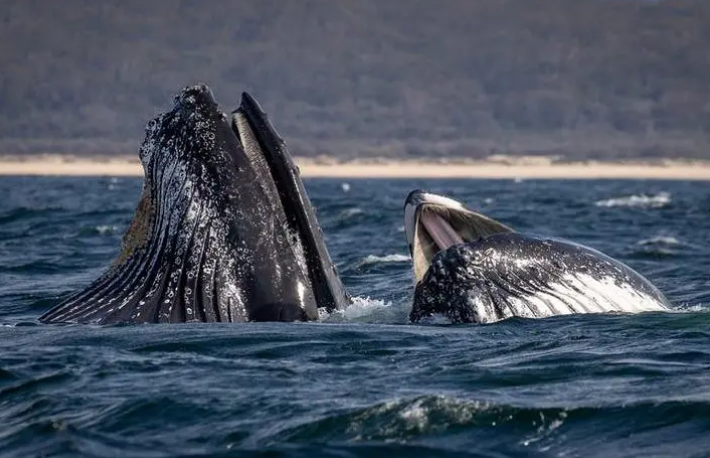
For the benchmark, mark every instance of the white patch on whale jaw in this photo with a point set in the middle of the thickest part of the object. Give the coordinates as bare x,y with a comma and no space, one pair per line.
467,286
573,294
436,199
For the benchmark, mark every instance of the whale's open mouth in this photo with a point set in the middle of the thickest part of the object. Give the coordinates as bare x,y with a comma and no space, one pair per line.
224,230
434,223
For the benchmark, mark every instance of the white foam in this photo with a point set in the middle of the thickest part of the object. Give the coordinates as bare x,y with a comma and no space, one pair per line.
352,212
545,428
374,259
345,187
691,308
660,200
104,230
359,308
416,415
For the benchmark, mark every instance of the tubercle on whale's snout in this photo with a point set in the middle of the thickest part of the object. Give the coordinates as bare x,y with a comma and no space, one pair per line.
196,95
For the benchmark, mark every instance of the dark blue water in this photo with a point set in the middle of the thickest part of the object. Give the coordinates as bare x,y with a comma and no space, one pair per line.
363,382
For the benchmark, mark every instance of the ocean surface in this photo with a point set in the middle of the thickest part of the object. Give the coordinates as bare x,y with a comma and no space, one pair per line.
362,382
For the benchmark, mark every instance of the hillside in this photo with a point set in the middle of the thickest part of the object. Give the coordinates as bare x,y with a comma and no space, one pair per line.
583,78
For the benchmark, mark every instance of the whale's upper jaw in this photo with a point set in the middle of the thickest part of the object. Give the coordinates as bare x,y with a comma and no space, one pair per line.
415,202
433,223
218,234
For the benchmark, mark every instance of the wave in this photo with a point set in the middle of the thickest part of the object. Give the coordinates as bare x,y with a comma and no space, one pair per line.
488,424
660,200
20,213
662,246
441,424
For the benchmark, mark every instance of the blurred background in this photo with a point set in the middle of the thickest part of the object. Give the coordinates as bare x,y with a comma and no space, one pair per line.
603,79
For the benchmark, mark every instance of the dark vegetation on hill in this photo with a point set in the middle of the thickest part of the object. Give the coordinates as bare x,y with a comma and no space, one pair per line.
580,78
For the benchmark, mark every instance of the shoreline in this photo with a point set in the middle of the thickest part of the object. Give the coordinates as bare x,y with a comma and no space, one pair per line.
495,167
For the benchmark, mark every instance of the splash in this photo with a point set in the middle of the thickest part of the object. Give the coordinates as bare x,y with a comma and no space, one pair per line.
691,308
360,308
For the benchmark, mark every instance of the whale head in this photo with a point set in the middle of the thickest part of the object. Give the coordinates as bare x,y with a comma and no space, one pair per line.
470,268
433,223
223,231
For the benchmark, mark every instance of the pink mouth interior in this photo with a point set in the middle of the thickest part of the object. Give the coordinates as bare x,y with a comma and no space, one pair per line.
440,231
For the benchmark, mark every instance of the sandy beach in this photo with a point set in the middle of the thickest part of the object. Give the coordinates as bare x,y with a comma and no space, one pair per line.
495,167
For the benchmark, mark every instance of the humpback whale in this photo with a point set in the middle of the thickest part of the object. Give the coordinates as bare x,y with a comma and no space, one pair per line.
223,231
470,268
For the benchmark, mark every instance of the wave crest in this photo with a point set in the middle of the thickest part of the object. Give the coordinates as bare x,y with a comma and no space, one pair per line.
659,240
374,259
660,200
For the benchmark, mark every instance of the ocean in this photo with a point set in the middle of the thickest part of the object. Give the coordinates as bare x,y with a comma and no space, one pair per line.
362,382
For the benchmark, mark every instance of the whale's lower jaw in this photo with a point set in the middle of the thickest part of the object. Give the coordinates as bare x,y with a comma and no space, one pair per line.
573,294
513,275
